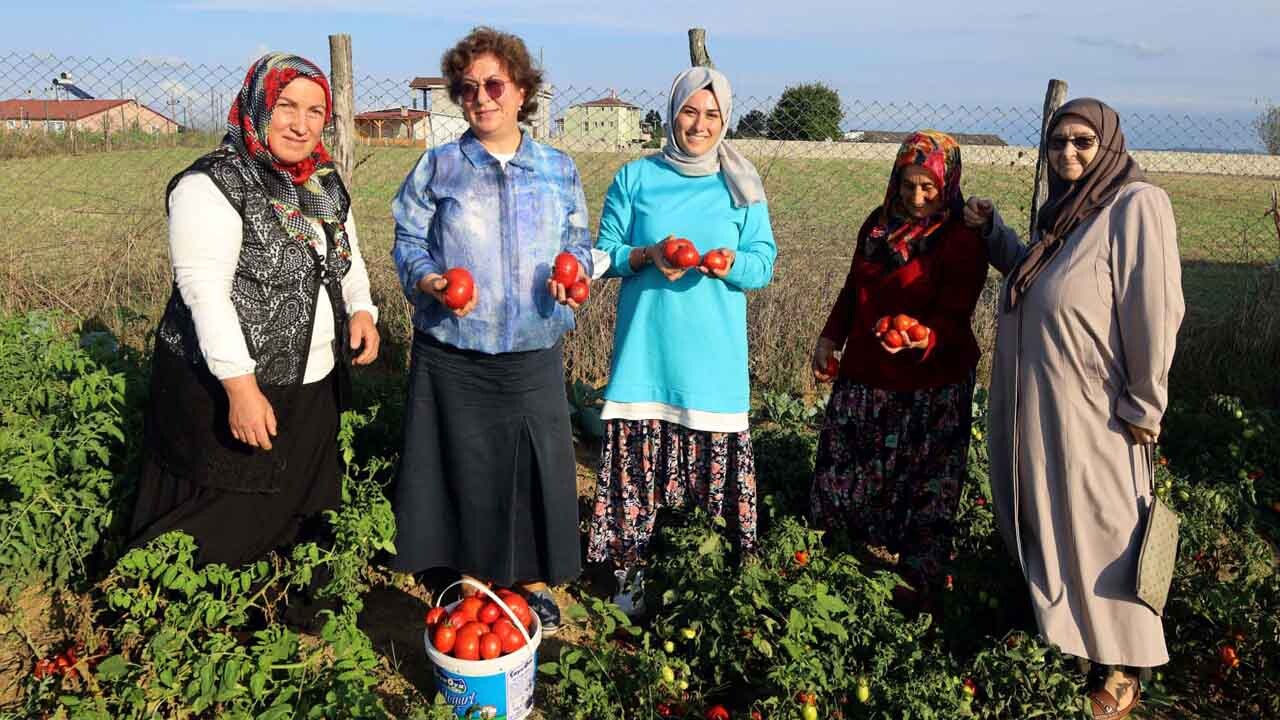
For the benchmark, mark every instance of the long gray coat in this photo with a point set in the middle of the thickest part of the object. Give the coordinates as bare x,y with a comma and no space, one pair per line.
1086,350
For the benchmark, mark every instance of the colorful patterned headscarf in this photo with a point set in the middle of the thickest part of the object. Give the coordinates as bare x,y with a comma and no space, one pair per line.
311,187
898,236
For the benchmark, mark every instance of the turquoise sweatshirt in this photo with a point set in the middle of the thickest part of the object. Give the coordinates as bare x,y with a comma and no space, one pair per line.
682,343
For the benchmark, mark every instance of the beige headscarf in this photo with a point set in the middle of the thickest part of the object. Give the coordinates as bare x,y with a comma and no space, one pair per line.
739,174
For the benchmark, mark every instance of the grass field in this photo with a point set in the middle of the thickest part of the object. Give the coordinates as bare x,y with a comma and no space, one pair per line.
89,237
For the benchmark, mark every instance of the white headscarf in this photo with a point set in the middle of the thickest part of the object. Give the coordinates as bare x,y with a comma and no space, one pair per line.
739,174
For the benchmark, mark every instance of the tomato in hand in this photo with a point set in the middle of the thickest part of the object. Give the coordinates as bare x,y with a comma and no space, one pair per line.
687,257
579,291
893,339
716,261
902,323
882,325
917,332
565,270
460,289
673,246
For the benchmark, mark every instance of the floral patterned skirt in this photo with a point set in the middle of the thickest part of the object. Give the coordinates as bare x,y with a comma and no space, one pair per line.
647,465
890,467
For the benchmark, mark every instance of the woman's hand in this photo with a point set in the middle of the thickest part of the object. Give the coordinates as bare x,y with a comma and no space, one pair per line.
1142,436
434,284
721,274
364,333
250,416
561,292
978,213
659,261
824,351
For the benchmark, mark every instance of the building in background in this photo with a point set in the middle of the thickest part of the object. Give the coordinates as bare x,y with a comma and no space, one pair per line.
100,116
607,122
402,125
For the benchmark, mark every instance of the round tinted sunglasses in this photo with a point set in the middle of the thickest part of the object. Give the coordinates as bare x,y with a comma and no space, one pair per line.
1080,142
493,87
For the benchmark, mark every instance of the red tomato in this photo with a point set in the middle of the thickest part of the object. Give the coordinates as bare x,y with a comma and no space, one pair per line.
62,663
802,557
882,325
460,289
893,339
473,628
512,640
902,323
434,616
687,257
444,637
673,246
717,712
579,291
457,618
502,626
565,271
1227,655
471,606
490,646
806,698
917,332
716,261
43,668
489,613
520,608
467,647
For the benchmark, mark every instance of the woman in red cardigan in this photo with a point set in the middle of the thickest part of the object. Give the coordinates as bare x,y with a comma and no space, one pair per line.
895,441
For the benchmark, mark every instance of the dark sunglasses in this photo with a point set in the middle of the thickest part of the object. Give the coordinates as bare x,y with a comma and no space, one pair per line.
493,87
1081,142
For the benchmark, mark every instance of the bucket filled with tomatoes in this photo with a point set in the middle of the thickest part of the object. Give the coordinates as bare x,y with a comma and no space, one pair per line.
484,650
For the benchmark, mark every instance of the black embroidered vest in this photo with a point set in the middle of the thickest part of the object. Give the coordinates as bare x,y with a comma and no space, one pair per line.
276,281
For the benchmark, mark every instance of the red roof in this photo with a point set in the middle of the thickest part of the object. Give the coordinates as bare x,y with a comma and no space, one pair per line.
610,100
56,109
426,83
392,114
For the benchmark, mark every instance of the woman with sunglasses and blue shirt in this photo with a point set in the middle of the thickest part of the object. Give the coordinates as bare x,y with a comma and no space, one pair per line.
1087,324
487,478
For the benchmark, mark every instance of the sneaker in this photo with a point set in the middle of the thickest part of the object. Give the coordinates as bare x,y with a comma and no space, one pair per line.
630,598
543,604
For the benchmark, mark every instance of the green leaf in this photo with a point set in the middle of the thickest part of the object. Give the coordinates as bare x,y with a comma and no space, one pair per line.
112,668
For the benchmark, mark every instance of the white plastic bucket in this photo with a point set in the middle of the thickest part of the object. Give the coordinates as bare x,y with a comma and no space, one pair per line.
497,689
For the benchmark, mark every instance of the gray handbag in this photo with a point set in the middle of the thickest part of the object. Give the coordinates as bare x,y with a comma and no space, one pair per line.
1159,552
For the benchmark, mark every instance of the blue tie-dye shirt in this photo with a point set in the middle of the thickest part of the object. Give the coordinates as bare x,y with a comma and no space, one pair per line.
460,208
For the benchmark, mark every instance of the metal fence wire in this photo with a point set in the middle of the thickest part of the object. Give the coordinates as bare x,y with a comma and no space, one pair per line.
87,146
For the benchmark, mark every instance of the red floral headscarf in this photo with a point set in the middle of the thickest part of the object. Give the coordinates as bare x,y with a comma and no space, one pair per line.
310,187
897,235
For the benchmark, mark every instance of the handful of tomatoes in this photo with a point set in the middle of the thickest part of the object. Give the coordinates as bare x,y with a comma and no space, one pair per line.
901,331
479,629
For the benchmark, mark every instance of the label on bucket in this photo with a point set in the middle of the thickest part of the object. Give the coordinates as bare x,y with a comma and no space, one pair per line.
502,696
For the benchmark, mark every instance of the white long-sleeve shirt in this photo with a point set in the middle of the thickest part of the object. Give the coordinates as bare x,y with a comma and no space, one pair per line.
205,233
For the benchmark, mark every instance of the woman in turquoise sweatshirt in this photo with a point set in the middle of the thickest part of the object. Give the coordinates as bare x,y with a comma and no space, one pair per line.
678,396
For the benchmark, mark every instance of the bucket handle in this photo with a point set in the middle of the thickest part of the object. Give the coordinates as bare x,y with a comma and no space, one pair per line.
528,641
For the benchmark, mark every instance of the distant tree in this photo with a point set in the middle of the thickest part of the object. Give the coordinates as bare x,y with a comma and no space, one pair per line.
1267,126
810,111
753,125
652,123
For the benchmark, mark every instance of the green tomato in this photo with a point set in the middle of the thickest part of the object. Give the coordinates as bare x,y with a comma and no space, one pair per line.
1248,434
864,693
688,633
668,675
809,712
669,647
683,684
1239,414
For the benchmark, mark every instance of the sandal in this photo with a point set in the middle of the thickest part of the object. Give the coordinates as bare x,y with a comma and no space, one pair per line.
1106,707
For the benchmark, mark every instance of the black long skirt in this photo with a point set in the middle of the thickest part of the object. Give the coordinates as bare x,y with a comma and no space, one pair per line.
487,479
193,488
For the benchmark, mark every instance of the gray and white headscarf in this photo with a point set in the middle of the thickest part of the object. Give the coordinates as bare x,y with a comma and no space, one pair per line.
739,174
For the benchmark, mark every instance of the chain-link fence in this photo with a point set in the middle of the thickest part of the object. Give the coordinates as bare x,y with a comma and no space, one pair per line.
87,146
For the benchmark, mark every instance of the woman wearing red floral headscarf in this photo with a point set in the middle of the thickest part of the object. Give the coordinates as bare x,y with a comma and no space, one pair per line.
894,444
270,303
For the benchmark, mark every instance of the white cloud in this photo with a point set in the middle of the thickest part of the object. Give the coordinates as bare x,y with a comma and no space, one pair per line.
1140,49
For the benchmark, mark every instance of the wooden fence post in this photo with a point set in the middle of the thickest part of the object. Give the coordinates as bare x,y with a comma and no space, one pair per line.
1054,97
344,123
698,55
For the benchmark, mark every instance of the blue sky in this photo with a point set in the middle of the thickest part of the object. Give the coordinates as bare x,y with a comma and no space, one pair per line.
1170,56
